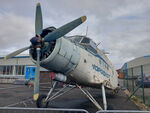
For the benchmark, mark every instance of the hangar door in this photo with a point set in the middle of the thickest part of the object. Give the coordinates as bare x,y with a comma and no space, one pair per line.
30,72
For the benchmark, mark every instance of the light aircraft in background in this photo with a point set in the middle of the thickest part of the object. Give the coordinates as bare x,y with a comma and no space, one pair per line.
72,60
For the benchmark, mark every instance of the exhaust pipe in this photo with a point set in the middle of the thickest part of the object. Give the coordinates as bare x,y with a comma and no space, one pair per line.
58,77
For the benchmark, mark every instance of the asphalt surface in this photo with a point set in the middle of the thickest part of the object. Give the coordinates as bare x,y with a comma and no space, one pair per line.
21,96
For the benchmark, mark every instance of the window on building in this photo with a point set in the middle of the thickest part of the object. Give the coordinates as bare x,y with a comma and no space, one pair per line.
1,70
19,69
6,70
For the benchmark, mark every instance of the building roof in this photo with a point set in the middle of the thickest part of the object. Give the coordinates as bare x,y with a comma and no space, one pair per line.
137,62
18,56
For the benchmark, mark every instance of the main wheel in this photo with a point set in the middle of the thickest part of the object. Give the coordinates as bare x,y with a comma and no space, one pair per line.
110,107
40,103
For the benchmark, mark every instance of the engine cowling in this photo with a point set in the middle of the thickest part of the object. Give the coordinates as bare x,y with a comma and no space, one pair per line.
61,56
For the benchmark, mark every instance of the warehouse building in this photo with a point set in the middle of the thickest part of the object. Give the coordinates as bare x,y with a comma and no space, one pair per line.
137,76
132,69
19,67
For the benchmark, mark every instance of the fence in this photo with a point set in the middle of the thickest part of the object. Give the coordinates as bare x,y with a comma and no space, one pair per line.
122,111
135,83
40,110
58,110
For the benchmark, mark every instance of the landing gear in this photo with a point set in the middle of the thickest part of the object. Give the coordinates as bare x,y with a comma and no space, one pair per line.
43,100
93,100
41,103
104,97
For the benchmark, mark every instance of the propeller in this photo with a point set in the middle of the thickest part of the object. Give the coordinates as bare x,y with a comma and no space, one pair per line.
64,29
38,20
38,41
37,76
38,31
16,53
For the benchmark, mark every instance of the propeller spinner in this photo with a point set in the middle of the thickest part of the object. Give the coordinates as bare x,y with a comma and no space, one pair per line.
37,41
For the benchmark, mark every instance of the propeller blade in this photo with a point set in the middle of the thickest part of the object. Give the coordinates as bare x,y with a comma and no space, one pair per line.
16,53
38,20
37,76
64,29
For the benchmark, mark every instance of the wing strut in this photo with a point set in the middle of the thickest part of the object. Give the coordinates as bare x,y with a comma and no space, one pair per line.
91,98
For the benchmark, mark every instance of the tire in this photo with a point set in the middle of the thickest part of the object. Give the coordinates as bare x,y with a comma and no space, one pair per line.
110,107
40,103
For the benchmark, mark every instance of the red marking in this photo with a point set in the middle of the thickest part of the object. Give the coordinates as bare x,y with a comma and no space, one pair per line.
31,84
52,75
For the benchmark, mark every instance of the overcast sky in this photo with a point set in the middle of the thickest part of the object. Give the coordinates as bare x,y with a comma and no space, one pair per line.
122,26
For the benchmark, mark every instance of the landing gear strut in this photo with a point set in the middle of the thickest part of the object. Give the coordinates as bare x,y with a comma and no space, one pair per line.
43,100
93,100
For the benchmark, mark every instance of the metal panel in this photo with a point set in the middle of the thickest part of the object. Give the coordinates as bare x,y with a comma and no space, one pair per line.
64,57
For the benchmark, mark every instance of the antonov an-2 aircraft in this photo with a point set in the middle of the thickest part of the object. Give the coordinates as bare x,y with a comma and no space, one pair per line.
72,60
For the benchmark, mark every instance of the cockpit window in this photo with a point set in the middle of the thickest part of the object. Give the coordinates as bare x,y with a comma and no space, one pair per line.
77,39
85,40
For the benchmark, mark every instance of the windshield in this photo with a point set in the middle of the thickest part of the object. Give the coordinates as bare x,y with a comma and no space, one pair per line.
77,39
85,40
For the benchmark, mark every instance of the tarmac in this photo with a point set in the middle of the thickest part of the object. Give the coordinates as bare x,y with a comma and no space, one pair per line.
21,96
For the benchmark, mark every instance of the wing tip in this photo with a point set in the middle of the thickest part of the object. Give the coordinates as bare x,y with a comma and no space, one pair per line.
38,4
5,58
83,18
35,97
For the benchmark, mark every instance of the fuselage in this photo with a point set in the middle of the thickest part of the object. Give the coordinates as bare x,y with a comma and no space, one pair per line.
82,63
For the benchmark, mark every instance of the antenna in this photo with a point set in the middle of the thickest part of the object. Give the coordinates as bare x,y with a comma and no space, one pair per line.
105,52
86,31
98,44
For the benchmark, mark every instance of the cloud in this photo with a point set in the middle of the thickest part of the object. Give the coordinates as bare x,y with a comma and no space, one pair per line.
15,33
122,27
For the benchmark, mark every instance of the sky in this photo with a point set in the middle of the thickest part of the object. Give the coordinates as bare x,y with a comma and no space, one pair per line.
121,26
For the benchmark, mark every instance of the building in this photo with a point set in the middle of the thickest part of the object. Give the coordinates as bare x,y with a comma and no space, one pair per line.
121,75
133,68
19,67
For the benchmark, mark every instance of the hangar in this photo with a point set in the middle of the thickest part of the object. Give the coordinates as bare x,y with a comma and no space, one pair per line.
18,67
133,67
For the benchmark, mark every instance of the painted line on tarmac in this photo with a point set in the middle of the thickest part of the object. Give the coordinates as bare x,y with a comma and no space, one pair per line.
11,87
21,102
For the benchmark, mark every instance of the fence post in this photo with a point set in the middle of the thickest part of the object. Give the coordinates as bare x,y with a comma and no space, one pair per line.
132,81
142,79
127,75
124,84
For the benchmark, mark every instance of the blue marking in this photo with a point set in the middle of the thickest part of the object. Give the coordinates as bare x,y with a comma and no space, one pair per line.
98,69
30,72
97,55
126,70
147,56
17,57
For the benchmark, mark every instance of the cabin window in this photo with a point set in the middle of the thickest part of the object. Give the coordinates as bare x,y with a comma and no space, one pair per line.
85,40
104,64
92,49
77,39
99,61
